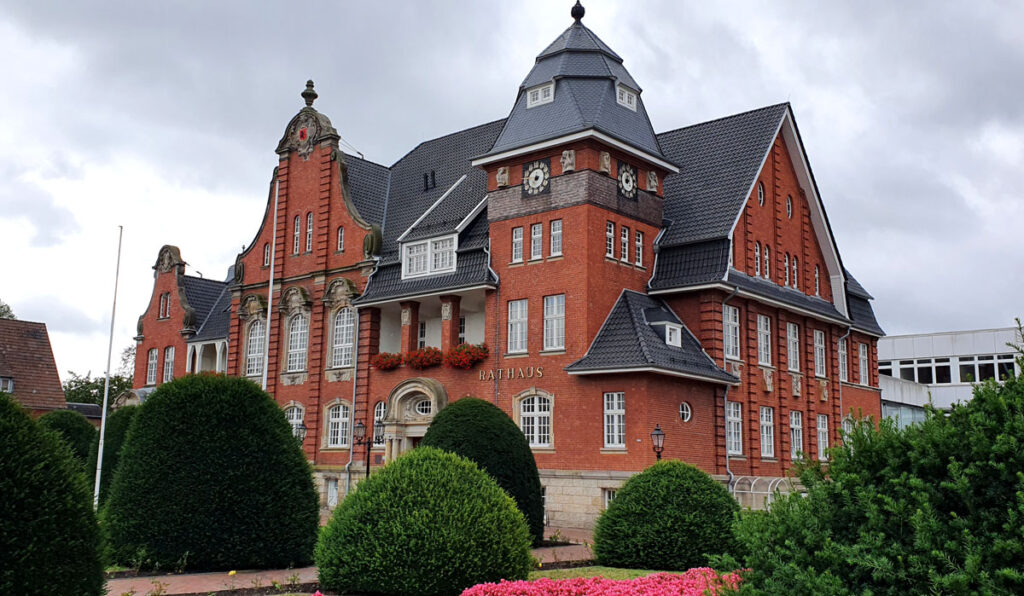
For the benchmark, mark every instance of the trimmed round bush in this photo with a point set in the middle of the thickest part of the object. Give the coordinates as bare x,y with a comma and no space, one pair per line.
211,478
74,429
117,427
481,432
49,539
671,516
428,523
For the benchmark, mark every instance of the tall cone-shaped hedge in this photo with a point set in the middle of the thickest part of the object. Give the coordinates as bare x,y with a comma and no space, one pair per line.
211,478
482,432
74,429
49,538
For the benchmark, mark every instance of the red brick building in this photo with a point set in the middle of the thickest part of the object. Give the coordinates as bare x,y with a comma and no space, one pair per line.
622,280
27,368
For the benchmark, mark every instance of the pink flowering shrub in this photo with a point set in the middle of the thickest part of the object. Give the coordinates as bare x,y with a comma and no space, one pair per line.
695,582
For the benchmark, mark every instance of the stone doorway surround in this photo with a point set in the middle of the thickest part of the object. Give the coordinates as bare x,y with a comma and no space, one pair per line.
408,414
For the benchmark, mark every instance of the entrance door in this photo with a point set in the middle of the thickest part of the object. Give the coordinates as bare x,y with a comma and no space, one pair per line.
415,441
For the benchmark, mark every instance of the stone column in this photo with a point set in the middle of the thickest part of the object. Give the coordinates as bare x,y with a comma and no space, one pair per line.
449,322
410,324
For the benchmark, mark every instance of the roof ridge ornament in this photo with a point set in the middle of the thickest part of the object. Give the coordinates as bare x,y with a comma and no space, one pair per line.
309,94
578,11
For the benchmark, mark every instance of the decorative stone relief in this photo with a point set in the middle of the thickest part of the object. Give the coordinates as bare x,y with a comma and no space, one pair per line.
339,293
502,176
824,390
767,379
295,300
606,162
252,305
406,317
568,160
446,311
289,379
797,382
334,376
652,181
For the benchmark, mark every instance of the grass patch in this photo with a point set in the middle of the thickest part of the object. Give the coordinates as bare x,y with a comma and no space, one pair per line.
594,571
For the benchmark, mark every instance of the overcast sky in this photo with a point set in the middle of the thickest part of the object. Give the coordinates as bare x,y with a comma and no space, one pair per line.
163,117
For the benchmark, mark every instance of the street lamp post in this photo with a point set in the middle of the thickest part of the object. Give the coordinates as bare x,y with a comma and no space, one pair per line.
300,433
360,438
658,441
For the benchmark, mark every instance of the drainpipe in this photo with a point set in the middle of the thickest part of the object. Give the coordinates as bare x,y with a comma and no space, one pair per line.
725,402
351,421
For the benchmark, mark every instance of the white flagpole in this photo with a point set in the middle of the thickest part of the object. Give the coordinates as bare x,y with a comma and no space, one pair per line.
106,385
270,284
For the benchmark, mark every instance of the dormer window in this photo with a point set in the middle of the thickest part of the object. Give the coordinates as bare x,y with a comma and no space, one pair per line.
429,257
540,95
673,335
626,97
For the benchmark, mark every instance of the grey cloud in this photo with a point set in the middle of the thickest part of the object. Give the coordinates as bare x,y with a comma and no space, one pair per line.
50,222
59,316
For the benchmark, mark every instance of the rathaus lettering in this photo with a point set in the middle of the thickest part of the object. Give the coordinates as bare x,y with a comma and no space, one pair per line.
528,372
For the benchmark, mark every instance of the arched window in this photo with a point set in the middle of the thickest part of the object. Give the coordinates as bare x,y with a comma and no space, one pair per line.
254,348
785,264
760,193
294,414
817,282
341,239
767,263
380,409
153,356
337,425
757,259
295,238
535,420
309,232
796,273
789,207
163,305
266,254
298,342
344,332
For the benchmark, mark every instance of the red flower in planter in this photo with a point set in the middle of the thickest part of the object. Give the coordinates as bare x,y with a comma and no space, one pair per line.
386,361
425,358
466,355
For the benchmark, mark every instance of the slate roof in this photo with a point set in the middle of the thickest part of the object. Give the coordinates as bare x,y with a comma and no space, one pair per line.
93,411
691,264
785,294
863,315
368,187
202,294
854,288
627,340
26,356
217,323
585,71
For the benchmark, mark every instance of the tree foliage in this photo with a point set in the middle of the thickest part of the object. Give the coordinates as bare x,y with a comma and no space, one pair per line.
481,432
118,423
211,478
670,516
937,507
5,311
430,522
89,390
48,532
74,429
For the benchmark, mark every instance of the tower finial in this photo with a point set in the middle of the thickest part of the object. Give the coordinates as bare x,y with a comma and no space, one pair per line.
578,11
309,94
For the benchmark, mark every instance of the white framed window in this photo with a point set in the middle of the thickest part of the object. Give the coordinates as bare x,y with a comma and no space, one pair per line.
517,320
639,259
298,342
757,259
796,273
767,263
673,335
341,238
822,437
760,193
609,240
734,428
819,353
844,364
556,237
685,412
254,345
416,259
517,245
626,97
817,281
421,335
615,420
332,493
151,363
462,330
767,432
442,255
789,207
609,496
7,384
764,340
424,407
624,244
796,434
380,409
168,363
554,322
344,338
847,426
793,346
294,416
297,234
540,95
337,425
785,265
731,331
163,306
863,363
535,420
536,241
309,232
266,254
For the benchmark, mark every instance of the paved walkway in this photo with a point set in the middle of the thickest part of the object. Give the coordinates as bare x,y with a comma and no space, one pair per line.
204,583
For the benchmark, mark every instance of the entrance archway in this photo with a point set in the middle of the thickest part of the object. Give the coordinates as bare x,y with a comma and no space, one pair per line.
412,405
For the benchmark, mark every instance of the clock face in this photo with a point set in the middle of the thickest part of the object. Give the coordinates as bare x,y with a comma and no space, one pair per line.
536,177
627,180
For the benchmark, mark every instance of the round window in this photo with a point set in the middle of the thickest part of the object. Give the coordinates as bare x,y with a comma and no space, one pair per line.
423,407
685,412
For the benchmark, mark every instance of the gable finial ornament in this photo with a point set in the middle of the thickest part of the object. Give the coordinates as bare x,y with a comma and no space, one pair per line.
568,160
309,94
578,11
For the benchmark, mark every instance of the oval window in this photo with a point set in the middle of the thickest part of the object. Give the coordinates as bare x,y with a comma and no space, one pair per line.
423,407
685,412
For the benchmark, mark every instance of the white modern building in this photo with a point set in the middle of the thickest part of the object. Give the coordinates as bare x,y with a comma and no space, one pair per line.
942,367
